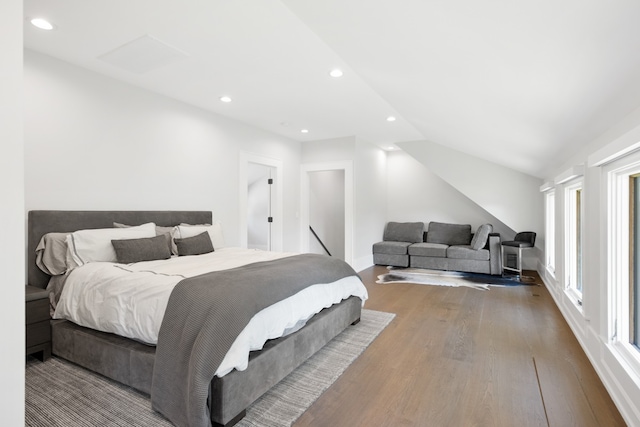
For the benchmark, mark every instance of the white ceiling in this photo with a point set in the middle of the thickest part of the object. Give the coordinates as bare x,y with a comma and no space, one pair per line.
523,84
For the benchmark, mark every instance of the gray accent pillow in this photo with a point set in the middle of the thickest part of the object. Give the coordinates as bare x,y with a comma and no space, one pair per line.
449,234
143,249
195,245
403,232
160,230
480,238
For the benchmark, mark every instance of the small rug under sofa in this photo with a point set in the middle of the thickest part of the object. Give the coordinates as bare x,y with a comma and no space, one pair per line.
451,278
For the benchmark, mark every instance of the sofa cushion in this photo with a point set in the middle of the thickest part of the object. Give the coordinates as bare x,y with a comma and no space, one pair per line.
480,237
449,234
467,252
403,232
428,249
392,248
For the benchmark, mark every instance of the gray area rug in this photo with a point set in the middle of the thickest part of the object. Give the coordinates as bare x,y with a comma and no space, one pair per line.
450,278
59,393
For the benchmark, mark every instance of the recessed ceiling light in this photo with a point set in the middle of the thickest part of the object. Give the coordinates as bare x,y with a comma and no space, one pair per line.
41,23
391,119
391,148
305,131
225,99
336,73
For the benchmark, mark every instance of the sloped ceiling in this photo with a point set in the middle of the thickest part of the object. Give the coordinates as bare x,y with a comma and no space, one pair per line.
521,84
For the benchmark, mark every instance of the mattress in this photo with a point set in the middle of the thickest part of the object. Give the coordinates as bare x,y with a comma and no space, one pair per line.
130,300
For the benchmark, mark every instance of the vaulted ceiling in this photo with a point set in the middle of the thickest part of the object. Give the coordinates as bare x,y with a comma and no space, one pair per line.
522,84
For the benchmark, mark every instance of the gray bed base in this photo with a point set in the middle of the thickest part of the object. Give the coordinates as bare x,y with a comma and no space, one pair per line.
131,363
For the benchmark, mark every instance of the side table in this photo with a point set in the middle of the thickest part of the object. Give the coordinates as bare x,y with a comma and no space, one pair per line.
38,326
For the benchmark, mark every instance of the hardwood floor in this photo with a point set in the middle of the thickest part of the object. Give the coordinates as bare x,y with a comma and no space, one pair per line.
466,357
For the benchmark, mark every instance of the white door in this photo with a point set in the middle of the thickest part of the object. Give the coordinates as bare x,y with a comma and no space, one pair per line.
259,204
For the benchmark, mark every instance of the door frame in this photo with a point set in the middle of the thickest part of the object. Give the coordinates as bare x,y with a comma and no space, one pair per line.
305,169
277,210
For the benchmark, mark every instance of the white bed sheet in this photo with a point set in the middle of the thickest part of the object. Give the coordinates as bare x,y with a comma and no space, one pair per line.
130,300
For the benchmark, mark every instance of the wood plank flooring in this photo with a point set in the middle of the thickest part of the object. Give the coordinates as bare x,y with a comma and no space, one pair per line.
466,357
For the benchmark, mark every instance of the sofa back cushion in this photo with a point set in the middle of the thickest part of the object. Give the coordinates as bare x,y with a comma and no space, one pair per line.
403,232
449,234
480,237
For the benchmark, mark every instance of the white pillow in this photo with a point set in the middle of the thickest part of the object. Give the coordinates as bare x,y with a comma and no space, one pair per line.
95,245
215,233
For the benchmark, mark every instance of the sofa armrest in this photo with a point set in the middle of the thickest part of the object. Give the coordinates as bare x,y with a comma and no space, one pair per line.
495,253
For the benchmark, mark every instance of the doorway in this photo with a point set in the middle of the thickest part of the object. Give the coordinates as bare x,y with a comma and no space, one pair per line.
326,212
326,194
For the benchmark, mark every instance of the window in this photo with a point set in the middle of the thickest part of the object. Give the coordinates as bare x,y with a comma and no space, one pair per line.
550,231
623,258
634,259
573,240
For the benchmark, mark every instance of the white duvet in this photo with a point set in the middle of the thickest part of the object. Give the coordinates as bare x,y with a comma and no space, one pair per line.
130,300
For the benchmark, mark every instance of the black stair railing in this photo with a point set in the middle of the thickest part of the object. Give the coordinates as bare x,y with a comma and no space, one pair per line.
319,241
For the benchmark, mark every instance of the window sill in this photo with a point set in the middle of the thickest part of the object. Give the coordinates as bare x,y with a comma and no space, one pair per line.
576,299
629,357
551,273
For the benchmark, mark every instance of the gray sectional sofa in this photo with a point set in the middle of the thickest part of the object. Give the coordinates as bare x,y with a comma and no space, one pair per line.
441,246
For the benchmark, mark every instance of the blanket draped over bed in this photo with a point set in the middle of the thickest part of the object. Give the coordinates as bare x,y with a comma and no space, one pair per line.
205,315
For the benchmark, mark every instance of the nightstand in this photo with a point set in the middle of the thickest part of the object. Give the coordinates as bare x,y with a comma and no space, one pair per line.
38,325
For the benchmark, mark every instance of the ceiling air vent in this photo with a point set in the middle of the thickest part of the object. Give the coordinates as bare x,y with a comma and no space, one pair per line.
142,55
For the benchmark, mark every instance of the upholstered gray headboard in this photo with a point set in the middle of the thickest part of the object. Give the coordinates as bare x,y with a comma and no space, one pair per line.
42,222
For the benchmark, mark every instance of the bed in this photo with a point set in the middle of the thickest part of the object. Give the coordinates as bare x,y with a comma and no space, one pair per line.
136,363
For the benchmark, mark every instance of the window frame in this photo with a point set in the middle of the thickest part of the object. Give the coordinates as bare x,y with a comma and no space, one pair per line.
634,254
550,232
574,237
618,258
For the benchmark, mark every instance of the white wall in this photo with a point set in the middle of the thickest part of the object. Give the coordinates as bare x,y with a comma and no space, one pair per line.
328,150
370,181
509,195
590,322
92,142
12,252
417,194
